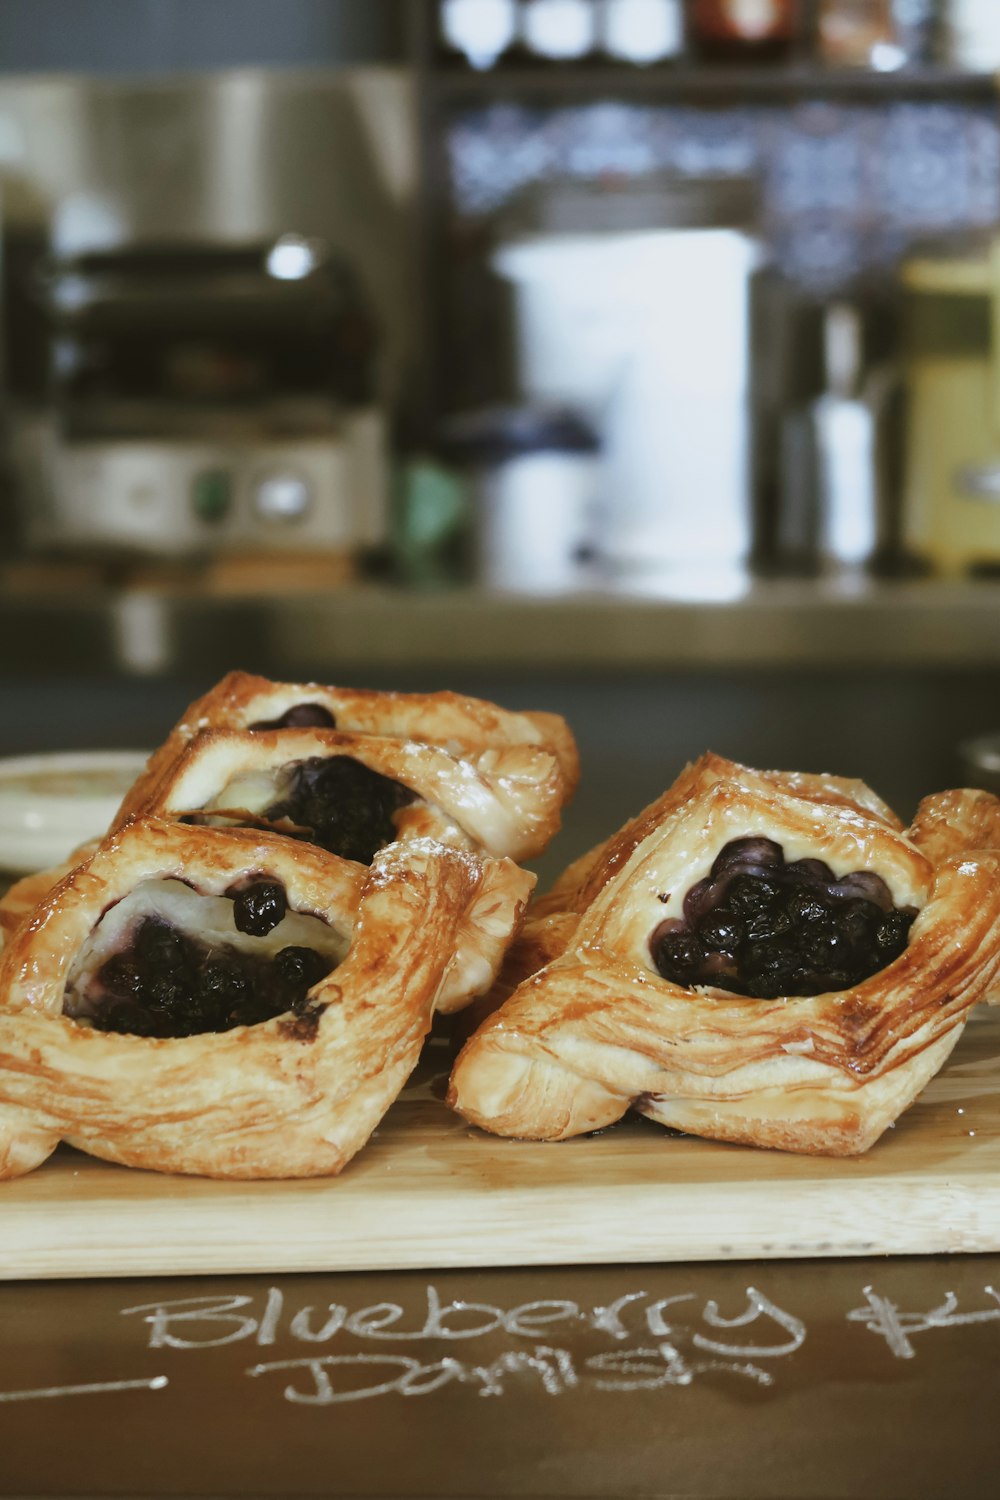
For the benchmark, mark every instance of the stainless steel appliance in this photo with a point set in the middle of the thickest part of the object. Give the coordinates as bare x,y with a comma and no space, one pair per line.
269,214
204,398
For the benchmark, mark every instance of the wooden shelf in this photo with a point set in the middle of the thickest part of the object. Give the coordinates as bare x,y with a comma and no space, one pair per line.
689,82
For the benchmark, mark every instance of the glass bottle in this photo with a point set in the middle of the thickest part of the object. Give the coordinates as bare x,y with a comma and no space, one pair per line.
854,33
845,446
745,30
916,25
642,31
479,31
558,30
972,34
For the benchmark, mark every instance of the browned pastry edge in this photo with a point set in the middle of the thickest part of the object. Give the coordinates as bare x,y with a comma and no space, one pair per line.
295,1096
956,822
450,720
582,881
21,898
507,800
467,729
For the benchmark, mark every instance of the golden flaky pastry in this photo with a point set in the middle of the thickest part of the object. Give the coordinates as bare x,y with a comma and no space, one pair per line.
758,957
505,801
457,769
25,894
462,726
348,965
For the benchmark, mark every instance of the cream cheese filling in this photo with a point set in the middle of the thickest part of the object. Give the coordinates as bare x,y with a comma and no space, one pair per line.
206,919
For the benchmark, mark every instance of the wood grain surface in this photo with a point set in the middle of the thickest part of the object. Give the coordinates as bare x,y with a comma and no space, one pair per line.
430,1191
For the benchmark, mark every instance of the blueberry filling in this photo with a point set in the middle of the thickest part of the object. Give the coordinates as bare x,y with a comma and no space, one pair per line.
259,907
167,984
301,716
346,808
760,927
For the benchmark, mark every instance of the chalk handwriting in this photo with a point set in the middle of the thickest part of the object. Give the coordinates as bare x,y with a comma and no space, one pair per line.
406,1376
883,1317
209,1322
682,1332
332,1379
96,1388
548,1345
757,1306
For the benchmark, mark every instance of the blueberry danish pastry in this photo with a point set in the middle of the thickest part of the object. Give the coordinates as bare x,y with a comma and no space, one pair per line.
350,771
759,957
352,793
463,727
235,1004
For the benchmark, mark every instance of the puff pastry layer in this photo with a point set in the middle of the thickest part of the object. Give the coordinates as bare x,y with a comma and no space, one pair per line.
471,774
457,724
24,895
592,1028
423,929
505,800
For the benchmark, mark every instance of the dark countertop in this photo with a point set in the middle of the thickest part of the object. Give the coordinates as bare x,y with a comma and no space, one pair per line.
868,1379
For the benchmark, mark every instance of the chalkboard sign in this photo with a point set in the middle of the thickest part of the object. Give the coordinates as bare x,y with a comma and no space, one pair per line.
806,1379
705,1364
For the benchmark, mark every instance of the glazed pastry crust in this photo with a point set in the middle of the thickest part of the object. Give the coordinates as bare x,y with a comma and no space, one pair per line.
506,801
461,725
595,1029
425,928
24,895
582,881
956,822
486,777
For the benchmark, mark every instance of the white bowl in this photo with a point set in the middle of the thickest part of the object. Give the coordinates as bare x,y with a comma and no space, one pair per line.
51,803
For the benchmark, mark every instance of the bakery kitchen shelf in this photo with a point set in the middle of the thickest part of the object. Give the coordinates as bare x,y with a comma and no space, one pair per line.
777,624
694,83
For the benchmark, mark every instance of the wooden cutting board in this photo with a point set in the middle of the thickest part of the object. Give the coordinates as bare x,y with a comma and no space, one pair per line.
429,1191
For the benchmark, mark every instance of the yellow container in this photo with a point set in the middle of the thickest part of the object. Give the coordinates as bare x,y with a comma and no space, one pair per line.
951,503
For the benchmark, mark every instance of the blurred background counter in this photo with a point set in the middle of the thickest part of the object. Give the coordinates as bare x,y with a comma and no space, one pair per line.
884,683
529,293
630,358
785,625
